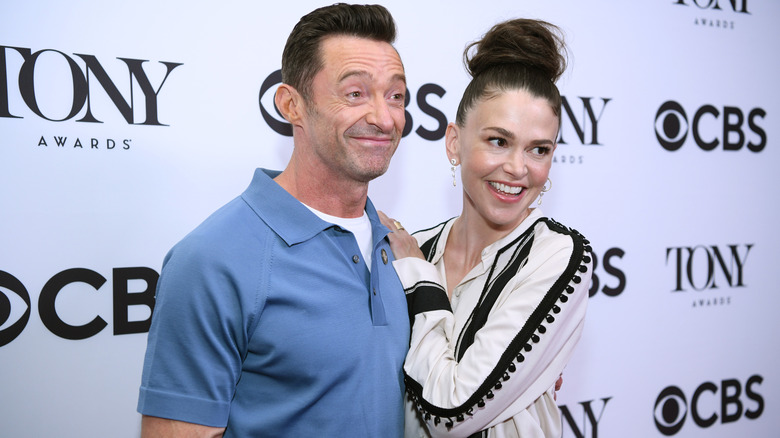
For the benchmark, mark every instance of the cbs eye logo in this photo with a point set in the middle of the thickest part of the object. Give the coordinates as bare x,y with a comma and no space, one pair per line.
710,127
9,330
672,407
125,293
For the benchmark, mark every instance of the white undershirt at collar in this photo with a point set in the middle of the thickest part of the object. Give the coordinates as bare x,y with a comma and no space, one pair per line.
360,227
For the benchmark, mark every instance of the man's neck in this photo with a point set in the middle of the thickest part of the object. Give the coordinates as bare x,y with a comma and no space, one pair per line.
335,196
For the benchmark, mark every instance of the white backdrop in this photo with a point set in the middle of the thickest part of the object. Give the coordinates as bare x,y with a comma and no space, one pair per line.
681,331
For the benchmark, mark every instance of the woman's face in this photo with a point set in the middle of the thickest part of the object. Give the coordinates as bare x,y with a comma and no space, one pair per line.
505,150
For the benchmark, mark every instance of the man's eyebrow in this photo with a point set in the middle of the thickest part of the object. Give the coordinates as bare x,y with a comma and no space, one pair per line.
362,73
349,73
400,77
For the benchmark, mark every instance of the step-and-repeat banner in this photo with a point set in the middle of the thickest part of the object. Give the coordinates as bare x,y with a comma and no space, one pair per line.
124,124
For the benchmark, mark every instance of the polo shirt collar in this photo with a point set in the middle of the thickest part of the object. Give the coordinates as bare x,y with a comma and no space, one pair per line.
275,206
378,231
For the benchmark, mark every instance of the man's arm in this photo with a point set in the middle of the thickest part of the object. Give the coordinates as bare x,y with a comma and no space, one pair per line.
155,427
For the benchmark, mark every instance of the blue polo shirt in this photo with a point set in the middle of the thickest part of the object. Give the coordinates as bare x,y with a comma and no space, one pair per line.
268,322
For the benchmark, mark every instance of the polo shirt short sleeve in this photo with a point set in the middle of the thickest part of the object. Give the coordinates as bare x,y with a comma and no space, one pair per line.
267,322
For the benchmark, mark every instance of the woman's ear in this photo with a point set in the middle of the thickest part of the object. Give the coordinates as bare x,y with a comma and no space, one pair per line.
452,142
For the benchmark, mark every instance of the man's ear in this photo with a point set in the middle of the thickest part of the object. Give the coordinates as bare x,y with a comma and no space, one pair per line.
290,104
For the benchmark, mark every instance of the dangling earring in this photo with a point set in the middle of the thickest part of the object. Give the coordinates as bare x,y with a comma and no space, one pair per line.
454,163
545,189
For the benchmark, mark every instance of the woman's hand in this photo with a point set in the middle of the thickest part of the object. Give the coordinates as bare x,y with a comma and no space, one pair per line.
401,242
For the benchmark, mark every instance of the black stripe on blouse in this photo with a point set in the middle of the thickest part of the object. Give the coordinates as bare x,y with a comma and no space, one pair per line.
425,297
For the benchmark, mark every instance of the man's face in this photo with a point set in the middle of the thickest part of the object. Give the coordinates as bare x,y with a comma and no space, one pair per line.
355,114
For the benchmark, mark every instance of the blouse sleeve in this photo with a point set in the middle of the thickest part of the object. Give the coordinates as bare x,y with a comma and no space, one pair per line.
516,355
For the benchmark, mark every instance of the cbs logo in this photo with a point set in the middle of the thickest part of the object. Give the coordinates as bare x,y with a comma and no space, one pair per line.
708,404
16,306
710,127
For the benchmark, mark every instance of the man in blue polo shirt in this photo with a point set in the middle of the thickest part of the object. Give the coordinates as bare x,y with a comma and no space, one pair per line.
281,314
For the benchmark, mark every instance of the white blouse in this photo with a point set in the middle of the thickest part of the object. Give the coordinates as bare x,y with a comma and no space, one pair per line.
487,360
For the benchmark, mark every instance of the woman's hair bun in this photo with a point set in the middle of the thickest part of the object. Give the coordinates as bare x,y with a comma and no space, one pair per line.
534,44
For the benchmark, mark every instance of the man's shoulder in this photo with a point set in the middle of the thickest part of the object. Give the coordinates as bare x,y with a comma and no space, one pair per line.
231,228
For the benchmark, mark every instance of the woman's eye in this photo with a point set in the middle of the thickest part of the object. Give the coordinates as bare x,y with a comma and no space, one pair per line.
540,150
498,141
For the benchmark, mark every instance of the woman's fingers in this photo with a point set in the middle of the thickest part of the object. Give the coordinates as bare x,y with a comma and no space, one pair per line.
401,242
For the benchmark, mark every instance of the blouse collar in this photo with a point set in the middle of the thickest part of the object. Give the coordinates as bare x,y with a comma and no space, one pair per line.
489,252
